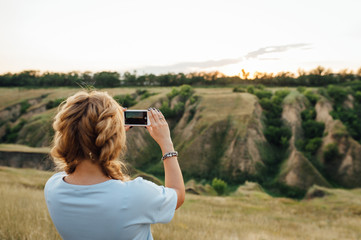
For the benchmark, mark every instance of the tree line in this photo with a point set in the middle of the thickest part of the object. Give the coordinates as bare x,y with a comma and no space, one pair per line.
316,77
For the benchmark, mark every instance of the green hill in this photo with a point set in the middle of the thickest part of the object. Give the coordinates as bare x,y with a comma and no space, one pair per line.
285,139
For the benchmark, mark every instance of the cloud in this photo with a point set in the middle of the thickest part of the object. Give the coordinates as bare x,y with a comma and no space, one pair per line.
187,66
192,66
274,49
267,59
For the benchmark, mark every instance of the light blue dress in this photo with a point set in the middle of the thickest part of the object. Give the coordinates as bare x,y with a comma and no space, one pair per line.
109,210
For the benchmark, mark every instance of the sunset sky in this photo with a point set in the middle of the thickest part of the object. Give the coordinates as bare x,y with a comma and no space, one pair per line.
179,36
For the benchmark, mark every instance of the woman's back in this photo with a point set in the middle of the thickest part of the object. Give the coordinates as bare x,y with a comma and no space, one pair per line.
92,198
109,210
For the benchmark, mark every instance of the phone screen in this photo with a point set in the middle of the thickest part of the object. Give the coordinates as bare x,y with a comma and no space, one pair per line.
136,117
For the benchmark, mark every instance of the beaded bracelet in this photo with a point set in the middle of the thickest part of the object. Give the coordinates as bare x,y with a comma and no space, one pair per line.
170,154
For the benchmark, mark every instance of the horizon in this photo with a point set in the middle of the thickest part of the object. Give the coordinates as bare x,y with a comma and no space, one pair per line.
257,74
162,37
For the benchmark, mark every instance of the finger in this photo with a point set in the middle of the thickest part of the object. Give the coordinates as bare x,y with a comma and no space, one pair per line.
155,116
161,116
124,109
127,128
151,117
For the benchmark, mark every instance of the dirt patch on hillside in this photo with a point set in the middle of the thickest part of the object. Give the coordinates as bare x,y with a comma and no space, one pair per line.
348,103
323,108
297,170
222,136
293,105
344,169
243,152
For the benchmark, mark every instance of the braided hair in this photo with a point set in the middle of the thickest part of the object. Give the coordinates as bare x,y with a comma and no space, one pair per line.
90,125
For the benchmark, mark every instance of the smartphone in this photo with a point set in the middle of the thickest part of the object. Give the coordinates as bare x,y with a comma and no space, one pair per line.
136,118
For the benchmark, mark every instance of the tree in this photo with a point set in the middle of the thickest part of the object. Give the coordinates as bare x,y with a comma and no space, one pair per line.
245,75
318,71
107,79
129,79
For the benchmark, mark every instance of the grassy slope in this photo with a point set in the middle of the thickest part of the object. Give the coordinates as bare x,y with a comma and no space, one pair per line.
22,148
218,104
249,215
10,96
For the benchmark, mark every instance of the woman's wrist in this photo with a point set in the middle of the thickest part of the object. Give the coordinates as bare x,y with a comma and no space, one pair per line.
167,147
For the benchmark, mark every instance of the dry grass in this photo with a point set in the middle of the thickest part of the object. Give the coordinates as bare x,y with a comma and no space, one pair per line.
218,106
22,205
22,148
258,217
10,96
247,215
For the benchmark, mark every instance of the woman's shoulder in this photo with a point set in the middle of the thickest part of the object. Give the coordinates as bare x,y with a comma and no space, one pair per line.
53,181
139,181
141,185
56,176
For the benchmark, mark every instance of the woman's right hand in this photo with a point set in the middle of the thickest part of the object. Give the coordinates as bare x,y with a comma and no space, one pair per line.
159,130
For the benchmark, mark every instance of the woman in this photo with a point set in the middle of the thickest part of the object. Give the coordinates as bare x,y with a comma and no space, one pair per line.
93,198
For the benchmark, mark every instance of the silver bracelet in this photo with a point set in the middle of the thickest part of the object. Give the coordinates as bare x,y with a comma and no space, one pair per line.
170,154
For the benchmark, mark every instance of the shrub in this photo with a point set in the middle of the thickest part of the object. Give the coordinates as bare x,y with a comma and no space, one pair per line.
276,122
260,86
250,89
311,96
275,112
125,100
277,100
346,115
263,94
358,96
192,112
239,89
11,134
281,189
282,93
313,145
185,92
166,110
322,91
24,105
219,185
173,93
300,144
54,103
193,99
330,152
178,109
266,104
308,114
350,118
143,93
339,94
312,128
278,135
301,89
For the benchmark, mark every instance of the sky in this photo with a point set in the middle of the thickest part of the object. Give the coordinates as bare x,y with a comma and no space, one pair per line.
179,36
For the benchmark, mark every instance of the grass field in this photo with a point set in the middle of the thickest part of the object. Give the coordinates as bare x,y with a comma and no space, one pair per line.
246,215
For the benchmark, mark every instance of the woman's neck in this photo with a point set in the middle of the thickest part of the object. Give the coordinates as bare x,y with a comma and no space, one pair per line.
86,173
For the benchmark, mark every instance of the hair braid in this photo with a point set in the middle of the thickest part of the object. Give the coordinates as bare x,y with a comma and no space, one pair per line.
90,126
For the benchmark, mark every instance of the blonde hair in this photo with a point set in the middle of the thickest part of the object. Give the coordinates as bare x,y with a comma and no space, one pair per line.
90,125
